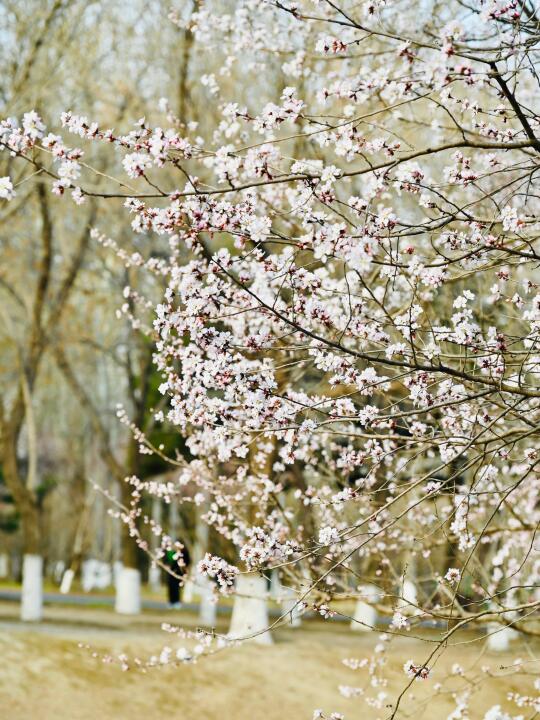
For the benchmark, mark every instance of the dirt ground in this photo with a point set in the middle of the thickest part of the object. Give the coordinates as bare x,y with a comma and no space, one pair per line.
44,675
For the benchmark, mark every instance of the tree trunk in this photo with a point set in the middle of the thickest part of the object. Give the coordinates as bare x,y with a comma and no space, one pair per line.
26,503
4,565
128,585
250,612
500,636
32,589
128,581
250,609
289,605
195,584
154,572
207,607
128,592
32,574
365,615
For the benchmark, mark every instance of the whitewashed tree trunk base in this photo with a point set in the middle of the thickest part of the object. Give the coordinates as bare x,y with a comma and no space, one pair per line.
128,592
59,570
409,594
277,590
188,591
118,566
500,639
67,581
207,607
32,589
365,616
88,572
289,605
250,610
154,578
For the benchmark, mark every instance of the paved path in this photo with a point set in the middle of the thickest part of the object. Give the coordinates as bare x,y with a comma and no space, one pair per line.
57,598
94,600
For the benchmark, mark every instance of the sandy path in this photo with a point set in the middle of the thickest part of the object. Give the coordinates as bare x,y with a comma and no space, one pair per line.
44,675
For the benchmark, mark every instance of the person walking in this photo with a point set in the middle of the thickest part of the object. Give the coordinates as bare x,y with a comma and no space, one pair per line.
178,561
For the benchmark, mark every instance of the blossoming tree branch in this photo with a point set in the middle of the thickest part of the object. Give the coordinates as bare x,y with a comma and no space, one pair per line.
349,339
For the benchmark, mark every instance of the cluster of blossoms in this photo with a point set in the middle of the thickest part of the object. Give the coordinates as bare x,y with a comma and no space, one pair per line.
6,188
349,337
413,670
219,570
